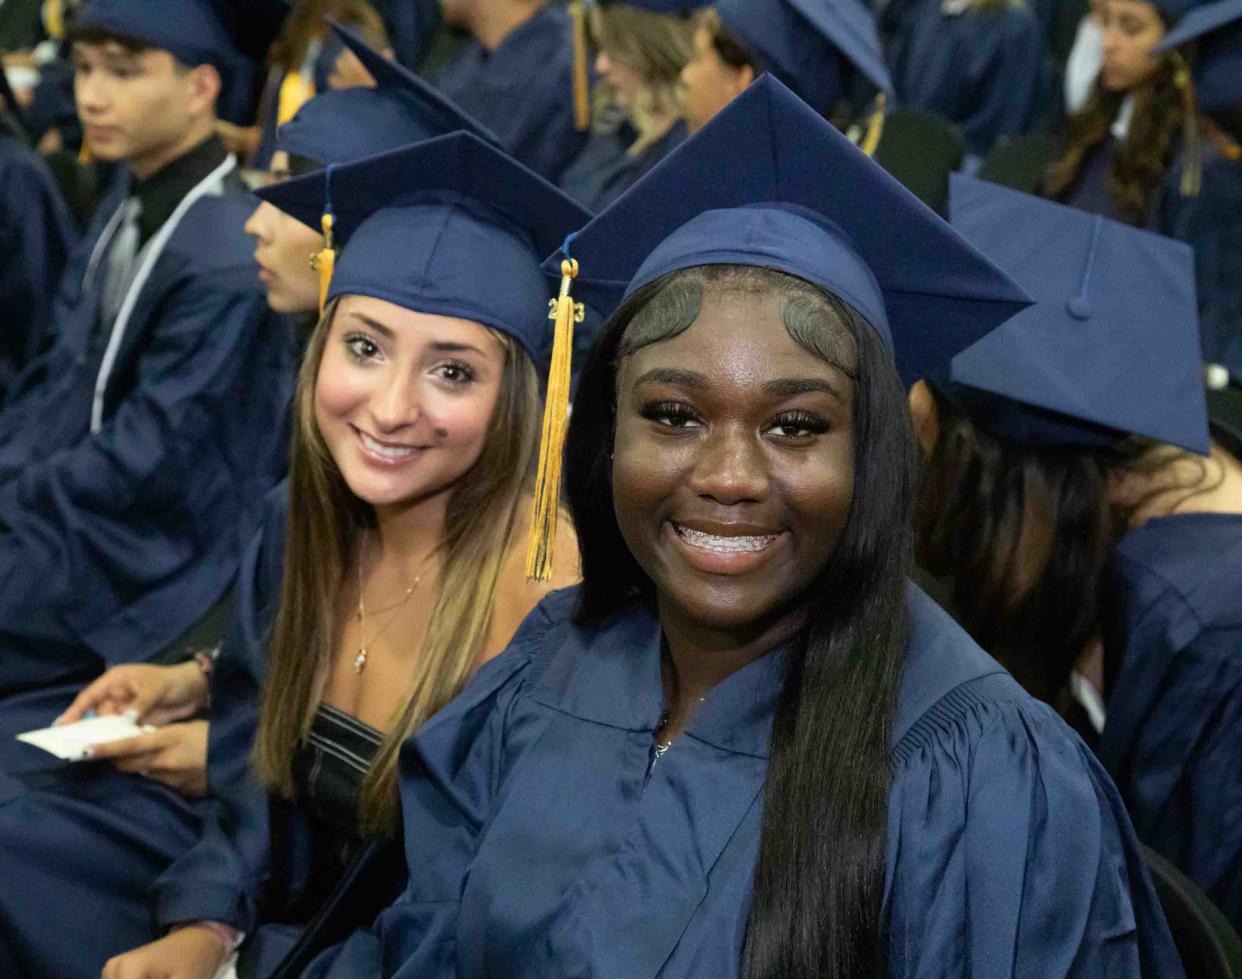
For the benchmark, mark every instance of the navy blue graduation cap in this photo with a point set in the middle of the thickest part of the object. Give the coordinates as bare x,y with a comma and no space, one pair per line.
1218,66
451,226
353,123
769,183
190,30
677,8
1111,346
800,41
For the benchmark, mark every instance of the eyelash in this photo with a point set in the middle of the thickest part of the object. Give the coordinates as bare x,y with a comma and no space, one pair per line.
663,412
362,348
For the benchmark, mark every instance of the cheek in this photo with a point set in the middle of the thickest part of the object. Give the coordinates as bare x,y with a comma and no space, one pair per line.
340,389
460,420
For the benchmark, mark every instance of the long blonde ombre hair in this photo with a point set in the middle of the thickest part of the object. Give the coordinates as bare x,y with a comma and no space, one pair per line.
321,546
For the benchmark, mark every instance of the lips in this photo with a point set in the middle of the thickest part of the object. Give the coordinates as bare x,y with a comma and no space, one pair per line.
387,453
723,549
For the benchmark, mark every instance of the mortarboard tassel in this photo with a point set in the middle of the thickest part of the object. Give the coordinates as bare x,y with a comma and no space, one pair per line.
1192,154
539,552
875,126
582,83
324,260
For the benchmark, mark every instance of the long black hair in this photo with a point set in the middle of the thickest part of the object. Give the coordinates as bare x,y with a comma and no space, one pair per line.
819,883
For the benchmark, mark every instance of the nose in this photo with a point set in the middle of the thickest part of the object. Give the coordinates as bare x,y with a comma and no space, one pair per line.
394,404
603,64
730,467
90,92
259,224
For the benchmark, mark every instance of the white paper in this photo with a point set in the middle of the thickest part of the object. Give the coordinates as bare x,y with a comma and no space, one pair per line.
71,741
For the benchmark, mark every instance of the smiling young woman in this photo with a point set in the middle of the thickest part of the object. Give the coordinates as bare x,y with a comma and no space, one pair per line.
746,745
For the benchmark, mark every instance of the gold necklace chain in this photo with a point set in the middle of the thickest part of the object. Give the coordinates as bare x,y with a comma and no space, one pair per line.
364,648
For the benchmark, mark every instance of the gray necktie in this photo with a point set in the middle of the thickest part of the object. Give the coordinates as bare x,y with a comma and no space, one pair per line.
120,263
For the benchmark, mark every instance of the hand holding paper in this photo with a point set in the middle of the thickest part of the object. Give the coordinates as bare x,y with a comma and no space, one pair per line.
75,742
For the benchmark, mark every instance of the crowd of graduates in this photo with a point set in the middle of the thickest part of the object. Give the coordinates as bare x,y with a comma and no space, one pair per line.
621,488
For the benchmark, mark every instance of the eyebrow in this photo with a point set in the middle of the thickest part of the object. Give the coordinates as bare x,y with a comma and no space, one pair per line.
669,375
440,346
789,387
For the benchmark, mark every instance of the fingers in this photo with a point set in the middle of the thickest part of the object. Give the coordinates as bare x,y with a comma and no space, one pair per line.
103,696
143,744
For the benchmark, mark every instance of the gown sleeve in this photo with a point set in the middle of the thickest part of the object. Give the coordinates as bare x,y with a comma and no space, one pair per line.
219,878
131,506
1010,853
450,772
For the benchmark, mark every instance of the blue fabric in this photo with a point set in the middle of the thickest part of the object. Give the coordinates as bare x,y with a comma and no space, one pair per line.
118,541
1111,344
1208,222
538,845
36,235
1218,56
523,91
1089,190
798,197
424,225
605,169
1174,593
984,70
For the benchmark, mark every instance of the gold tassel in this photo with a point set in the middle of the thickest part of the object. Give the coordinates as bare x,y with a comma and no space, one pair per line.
582,82
1192,145
324,260
84,154
539,551
875,126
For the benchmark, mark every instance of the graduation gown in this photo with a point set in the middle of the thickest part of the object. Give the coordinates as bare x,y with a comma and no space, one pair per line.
538,845
606,169
36,235
523,91
134,459
1173,734
1208,222
89,843
984,70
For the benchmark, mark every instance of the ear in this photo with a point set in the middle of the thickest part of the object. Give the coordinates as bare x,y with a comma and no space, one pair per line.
743,78
204,86
925,417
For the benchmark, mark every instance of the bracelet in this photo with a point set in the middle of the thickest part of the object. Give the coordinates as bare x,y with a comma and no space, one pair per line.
206,660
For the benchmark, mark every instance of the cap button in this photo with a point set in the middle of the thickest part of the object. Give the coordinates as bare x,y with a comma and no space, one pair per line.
1079,307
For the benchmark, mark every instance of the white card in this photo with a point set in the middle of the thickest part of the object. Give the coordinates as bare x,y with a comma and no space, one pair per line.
71,741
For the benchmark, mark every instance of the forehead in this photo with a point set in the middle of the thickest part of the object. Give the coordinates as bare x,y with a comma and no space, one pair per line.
1134,8
416,328
742,334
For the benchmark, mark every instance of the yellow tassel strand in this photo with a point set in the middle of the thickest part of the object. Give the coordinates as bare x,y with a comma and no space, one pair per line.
325,260
1192,146
582,82
539,552
875,126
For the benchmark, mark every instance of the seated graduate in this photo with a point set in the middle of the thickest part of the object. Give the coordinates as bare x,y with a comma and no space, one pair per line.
37,232
1069,504
136,451
747,745
1209,220
394,567
1140,117
134,828
822,50
641,55
982,64
517,77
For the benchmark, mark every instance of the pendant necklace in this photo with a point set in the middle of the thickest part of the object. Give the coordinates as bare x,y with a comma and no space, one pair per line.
364,649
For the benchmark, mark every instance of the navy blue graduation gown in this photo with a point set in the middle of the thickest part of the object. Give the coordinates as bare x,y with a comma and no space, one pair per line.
984,70
1173,735
523,91
1209,223
90,843
537,845
36,235
606,169
118,539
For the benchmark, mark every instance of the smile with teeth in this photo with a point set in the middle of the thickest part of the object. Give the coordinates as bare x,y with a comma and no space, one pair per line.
393,453
723,545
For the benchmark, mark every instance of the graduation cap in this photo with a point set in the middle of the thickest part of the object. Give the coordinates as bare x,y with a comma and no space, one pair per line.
353,123
1218,68
799,41
452,226
1111,346
793,194
190,30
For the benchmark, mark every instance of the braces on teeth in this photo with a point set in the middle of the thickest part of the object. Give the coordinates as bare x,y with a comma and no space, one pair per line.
729,545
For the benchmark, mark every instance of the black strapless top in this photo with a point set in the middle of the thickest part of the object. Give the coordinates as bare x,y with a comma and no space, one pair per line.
328,772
